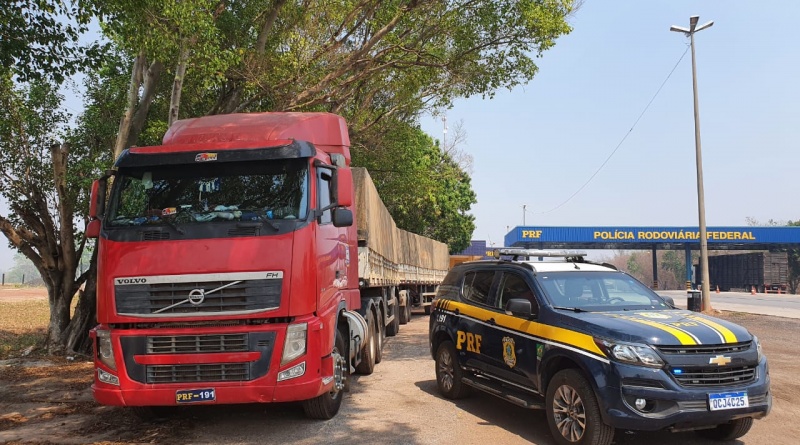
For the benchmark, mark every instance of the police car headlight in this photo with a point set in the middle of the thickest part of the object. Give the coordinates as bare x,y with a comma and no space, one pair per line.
758,348
632,353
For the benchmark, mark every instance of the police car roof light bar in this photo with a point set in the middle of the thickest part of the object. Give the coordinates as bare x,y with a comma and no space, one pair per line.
540,253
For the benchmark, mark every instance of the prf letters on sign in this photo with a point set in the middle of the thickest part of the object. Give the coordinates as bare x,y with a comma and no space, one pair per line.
532,234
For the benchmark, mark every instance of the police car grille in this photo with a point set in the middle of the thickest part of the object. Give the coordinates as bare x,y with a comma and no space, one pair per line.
212,372
188,344
706,349
167,299
716,376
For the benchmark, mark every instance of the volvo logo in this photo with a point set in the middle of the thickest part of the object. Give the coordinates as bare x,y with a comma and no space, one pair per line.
196,296
131,280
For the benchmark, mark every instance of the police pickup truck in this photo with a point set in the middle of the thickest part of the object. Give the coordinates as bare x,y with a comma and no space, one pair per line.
595,348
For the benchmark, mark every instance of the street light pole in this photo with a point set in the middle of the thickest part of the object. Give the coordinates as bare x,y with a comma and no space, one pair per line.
701,207
523,214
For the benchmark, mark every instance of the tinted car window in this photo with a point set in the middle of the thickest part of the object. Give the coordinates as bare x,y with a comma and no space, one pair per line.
514,286
477,285
599,291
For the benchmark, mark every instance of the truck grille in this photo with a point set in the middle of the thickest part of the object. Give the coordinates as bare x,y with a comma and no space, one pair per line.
173,367
163,299
706,349
197,343
716,376
214,372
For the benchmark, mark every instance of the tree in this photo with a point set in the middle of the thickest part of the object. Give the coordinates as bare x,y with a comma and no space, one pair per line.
45,181
40,39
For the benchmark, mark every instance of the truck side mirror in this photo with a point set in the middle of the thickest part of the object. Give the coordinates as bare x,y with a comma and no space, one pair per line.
97,200
344,188
342,217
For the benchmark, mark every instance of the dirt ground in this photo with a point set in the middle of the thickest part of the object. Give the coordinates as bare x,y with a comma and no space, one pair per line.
46,400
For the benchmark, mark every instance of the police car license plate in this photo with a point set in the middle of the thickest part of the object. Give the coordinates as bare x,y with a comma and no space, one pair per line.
728,400
195,395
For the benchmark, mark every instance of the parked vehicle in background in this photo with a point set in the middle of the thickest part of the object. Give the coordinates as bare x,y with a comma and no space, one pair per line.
764,271
595,348
245,261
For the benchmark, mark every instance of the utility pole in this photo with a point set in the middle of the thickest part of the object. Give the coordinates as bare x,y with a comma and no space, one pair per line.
523,214
701,208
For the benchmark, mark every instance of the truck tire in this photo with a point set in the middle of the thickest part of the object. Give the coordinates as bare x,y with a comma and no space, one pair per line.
326,406
728,431
573,413
404,309
449,372
394,326
367,364
381,327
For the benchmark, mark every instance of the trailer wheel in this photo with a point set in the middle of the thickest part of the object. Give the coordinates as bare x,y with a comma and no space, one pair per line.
394,326
326,406
367,364
405,310
380,326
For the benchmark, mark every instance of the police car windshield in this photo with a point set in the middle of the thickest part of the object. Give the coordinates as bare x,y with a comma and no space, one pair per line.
598,291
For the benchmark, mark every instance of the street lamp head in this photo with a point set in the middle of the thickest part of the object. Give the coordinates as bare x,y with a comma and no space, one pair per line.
704,26
678,29
693,22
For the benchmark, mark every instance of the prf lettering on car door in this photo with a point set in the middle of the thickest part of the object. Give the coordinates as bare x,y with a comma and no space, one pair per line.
468,340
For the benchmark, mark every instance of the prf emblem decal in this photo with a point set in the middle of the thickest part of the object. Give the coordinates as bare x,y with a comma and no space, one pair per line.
205,157
654,315
720,360
509,353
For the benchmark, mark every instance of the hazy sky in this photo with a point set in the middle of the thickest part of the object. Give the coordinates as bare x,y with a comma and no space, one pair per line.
538,144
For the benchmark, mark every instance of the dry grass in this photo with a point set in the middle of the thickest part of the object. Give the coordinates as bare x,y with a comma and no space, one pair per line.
23,324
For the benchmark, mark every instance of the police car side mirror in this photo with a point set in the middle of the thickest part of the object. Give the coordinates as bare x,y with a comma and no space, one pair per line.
669,300
519,307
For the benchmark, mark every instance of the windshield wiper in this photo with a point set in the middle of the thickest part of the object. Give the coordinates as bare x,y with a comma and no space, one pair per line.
172,225
263,218
573,309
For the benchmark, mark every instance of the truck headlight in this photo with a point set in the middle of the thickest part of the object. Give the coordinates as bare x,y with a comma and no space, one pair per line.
105,350
295,344
635,354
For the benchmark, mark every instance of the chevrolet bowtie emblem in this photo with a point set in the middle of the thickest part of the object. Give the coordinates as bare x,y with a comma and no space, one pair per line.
720,360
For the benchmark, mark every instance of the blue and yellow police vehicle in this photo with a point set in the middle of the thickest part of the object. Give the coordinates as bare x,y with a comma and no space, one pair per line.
593,347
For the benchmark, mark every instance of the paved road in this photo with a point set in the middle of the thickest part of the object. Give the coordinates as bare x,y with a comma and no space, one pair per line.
765,304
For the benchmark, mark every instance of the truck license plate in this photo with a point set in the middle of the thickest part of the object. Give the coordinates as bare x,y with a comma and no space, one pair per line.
195,395
728,400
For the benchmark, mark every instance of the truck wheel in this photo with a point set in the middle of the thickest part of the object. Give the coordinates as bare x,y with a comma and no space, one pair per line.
326,406
728,431
394,326
449,373
405,309
573,413
381,332
367,364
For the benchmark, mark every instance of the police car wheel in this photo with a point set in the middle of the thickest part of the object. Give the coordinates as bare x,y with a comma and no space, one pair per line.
449,373
573,413
728,431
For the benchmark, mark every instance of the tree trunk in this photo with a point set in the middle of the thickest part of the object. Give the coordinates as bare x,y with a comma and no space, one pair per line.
76,336
177,85
133,92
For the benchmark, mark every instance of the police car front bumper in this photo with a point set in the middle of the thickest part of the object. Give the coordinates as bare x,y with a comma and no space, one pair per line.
671,406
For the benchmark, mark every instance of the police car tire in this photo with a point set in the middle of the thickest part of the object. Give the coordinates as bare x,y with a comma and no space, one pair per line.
447,364
596,432
367,364
728,431
326,406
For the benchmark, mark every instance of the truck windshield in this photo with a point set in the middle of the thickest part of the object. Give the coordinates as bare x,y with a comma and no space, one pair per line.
598,291
209,192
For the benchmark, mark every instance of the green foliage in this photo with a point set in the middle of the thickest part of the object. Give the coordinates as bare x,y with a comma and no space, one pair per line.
40,39
424,190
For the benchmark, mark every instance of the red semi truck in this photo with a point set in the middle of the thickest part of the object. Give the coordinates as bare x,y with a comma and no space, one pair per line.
244,260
